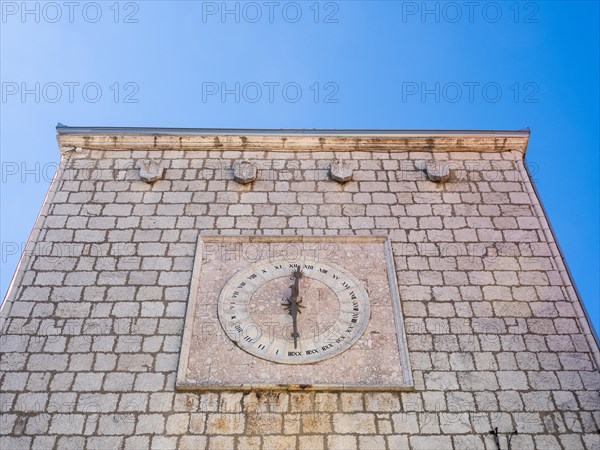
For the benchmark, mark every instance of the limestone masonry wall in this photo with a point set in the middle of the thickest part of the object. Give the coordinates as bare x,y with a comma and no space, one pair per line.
94,323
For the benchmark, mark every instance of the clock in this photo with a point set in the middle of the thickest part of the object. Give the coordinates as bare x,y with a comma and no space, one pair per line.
294,312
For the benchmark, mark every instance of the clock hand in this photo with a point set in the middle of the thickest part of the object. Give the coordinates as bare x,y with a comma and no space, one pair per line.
293,304
295,333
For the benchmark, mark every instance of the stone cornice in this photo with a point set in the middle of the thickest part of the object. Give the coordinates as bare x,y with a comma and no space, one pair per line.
290,140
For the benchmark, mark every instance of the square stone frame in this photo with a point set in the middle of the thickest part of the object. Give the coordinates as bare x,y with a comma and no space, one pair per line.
183,384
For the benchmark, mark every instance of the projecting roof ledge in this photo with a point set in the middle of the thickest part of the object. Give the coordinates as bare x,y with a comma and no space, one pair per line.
127,138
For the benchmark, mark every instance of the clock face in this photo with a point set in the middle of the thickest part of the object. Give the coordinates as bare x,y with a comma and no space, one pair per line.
294,313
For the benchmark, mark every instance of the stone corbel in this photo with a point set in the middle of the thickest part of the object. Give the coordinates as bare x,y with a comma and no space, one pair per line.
244,171
437,171
150,170
340,171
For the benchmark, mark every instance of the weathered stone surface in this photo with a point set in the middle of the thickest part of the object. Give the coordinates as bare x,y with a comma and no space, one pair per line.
493,327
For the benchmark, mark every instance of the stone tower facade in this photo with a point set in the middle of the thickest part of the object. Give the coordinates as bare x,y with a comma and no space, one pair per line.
93,324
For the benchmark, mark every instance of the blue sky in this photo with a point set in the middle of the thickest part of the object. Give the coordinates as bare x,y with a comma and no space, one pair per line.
351,64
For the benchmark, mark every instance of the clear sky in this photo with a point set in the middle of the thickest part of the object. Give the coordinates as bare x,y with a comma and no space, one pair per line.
349,64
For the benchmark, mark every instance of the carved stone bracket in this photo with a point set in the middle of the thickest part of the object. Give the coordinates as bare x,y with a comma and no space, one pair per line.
437,171
340,171
244,171
150,170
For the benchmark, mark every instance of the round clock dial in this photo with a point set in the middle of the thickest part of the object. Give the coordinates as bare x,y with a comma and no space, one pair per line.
294,313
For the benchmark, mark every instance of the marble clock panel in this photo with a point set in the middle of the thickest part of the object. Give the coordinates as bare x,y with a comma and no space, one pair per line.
294,313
